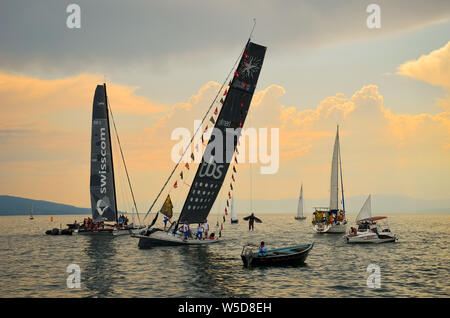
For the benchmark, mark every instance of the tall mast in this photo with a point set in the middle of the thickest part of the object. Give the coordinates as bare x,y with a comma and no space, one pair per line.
110,151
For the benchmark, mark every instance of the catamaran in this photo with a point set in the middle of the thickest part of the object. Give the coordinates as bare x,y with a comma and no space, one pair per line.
214,165
369,229
332,219
105,218
300,206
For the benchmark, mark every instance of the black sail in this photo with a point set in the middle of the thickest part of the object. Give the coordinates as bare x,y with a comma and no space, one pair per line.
103,194
215,162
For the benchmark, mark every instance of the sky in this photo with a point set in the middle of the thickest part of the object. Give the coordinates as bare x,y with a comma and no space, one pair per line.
388,89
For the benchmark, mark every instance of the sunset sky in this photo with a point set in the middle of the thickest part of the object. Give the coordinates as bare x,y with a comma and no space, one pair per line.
388,89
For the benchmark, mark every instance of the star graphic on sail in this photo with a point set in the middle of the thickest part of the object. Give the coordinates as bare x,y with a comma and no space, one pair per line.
252,66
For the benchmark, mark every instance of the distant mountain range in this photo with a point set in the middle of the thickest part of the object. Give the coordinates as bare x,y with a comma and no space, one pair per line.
10,205
381,203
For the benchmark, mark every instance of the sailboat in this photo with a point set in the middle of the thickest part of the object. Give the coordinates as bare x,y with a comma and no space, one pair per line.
213,168
234,218
105,218
332,219
369,229
300,206
31,212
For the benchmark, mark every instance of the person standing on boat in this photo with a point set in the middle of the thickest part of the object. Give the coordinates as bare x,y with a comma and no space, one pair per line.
199,231
205,228
165,220
262,250
185,231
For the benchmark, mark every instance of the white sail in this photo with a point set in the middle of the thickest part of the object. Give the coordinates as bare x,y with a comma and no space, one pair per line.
233,212
366,210
300,203
334,190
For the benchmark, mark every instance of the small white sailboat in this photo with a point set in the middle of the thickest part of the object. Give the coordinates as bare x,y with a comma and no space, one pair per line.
234,218
332,219
31,212
369,231
300,206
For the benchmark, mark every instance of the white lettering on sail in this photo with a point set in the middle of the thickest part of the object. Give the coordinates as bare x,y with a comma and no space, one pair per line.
210,170
102,171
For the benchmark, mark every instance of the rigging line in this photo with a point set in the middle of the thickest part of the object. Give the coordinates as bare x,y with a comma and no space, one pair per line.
124,164
342,181
200,126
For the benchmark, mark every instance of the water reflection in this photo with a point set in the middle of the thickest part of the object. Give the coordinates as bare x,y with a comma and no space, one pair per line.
100,267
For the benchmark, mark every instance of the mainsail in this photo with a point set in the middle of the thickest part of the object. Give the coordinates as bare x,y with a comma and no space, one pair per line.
334,191
300,203
102,187
366,210
219,151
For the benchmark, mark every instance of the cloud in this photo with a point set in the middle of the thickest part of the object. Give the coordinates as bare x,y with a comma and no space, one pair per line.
45,139
433,68
158,35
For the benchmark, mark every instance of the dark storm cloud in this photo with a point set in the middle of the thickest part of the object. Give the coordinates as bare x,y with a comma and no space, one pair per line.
118,34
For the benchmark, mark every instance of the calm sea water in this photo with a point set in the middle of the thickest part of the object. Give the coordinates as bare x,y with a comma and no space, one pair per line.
34,265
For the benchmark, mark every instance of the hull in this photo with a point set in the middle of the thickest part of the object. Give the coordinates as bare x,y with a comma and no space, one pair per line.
370,238
300,218
161,238
109,232
234,221
293,255
56,231
330,228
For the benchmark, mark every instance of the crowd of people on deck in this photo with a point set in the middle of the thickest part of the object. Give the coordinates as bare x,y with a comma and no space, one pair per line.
89,224
200,234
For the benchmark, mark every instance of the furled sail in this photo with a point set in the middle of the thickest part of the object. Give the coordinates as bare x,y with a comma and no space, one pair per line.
233,212
103,194
300,203
334,191
366,210
221,147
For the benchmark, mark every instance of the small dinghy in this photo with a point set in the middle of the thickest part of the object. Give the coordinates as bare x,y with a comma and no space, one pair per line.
369,231
291,255
57,231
